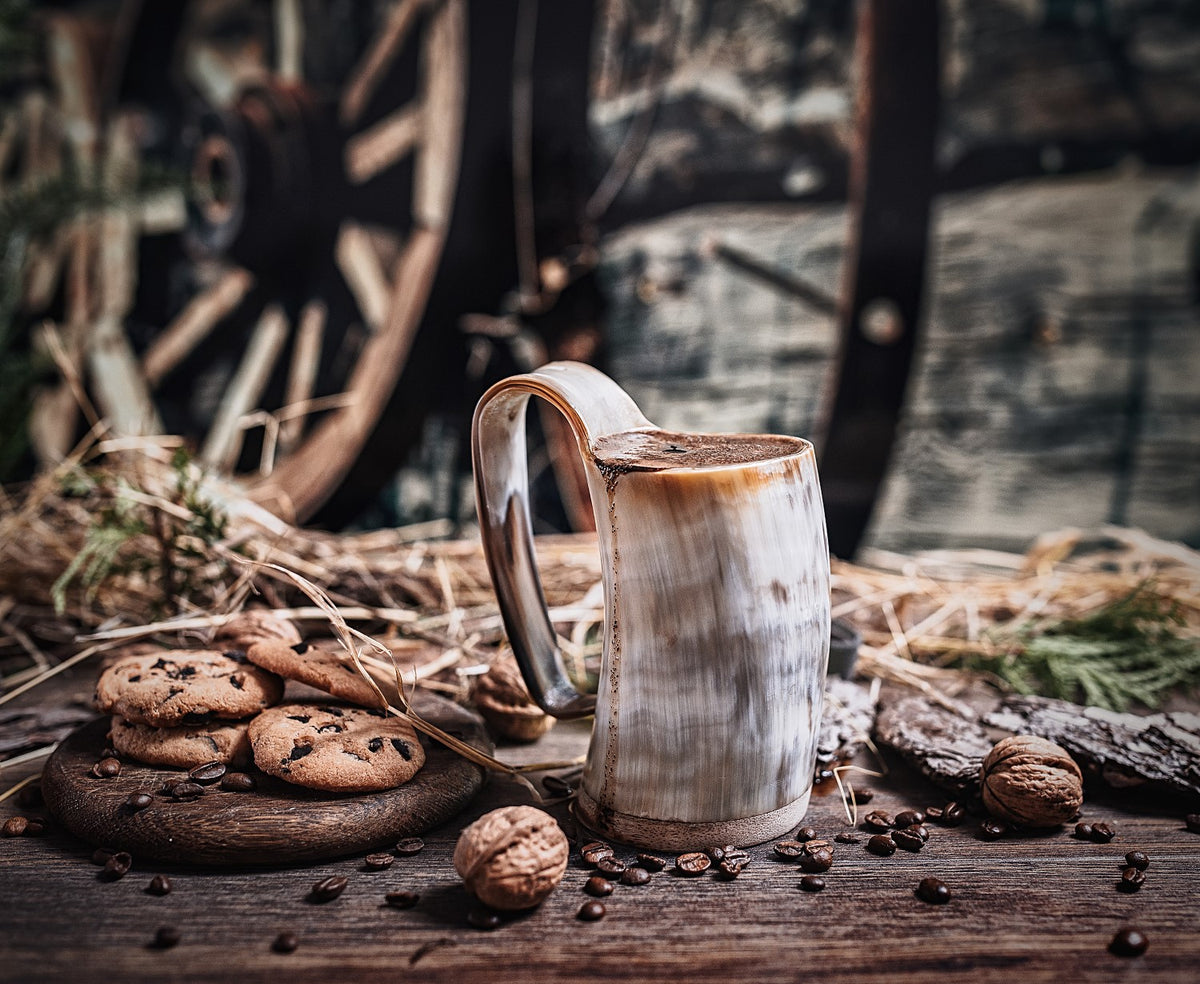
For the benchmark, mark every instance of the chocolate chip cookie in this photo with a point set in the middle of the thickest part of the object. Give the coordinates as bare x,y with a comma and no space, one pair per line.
335,747
318,668
186,688
253,625
183,748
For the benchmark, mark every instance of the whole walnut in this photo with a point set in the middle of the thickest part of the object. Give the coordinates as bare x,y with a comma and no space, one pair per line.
512,858
1031,781
501,697
253,625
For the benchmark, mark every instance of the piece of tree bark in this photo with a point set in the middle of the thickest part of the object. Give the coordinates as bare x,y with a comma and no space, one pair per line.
1159,752
846,721
34,727
945,747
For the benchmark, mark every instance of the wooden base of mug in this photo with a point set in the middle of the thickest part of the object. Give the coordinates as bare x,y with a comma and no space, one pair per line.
681,835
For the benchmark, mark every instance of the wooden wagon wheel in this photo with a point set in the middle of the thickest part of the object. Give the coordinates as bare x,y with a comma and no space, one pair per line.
262,130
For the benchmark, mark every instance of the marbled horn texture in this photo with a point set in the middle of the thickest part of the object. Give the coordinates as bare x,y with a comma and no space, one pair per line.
717,636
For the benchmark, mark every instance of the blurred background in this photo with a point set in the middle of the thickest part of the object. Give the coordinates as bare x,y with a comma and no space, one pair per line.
956,244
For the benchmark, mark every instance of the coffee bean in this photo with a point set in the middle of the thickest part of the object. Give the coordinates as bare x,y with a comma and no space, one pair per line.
812,883
716,854
377,862
285,943
136,802
920,830
402,900
170,785
409,846
30,796
953,814
788,850
594,852
1138,859
877,820
933,813
328,889
864,795
692,863
591,911
636,876
35,826
484,919
805,834
992,830
610,866
847,837
108,752
187,791
599,886
906,818
1128,942
159,885
907,840
1083,831
101,855
107,768
651,862
1192,822
1132,879
882,845
1102,833
15,826
117,866
933,890
208,773
238,782
166,937
556,786
815,861
733,865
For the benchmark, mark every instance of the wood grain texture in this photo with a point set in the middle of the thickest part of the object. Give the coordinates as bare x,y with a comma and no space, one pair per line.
1036,909
279,823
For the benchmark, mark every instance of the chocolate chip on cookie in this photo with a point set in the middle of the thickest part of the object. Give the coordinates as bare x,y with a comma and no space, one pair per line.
335,747
318,668
183,748
253,625
186,688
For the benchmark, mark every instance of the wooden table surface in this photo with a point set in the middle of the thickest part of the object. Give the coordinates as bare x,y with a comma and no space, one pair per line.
1036,908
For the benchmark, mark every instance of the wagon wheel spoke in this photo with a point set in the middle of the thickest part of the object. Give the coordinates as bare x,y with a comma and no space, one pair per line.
374,65
302,373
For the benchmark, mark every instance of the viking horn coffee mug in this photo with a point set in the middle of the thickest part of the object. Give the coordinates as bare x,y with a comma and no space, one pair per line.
716,599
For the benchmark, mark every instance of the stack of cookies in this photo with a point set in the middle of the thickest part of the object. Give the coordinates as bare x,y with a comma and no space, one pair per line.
185,708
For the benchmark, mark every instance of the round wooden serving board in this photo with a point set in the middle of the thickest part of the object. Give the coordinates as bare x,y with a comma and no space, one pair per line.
279,823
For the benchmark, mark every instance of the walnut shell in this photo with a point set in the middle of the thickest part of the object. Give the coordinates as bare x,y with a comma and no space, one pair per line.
512,858
502,699
1031,781
255,625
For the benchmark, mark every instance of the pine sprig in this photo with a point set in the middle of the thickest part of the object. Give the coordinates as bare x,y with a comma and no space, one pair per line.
1129,651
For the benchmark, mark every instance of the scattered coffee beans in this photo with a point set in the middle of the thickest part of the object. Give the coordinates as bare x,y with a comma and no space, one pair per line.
933,813
328,889
166,937
847,837
187,791
591,911
101,855
920,830
159,885
15,826
377,862
136,802
877,820
35,826
812,883
402,900
1083,831
908,839
1138,859
594,852
788,850
169,786
733,865
906,818
285,943
484,919
409,846
864,795
238,782
208,773
992,830
692,863
117,866
882,845
817,861
953,814
1102,833
1132,879
599,886
1128,942
805,834
610,866
107,768
636,876
651,862
933,890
